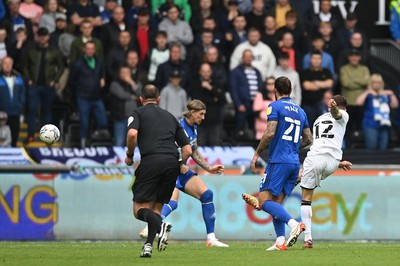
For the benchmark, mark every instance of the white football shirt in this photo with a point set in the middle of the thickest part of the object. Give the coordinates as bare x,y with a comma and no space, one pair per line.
328,135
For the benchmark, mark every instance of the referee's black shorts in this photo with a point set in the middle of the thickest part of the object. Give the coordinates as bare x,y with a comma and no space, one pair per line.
155,178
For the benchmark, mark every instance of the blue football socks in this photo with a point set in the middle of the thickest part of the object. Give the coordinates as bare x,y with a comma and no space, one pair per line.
168,208
276,211
207,206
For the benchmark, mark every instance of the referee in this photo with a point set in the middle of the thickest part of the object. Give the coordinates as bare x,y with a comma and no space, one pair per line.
156,132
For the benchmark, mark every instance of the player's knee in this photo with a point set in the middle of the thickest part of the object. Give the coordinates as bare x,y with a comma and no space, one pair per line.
207,196
173,204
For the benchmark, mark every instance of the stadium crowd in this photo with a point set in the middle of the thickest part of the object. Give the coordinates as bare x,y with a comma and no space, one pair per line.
94,56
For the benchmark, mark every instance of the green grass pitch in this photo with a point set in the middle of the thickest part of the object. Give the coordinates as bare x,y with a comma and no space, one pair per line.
195,253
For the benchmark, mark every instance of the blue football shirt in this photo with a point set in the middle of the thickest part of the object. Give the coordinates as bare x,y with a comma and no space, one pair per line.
285,146
191,132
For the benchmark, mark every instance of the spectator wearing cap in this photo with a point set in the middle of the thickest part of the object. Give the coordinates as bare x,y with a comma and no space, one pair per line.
5,131
60,28
87,35
12,97
50,15
14,20
124,98
173,97
43,67
110,31
354,79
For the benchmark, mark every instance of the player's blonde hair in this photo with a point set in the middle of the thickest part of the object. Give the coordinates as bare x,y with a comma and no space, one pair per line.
194,105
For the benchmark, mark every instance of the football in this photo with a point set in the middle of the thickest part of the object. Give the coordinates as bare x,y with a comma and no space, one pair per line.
49,134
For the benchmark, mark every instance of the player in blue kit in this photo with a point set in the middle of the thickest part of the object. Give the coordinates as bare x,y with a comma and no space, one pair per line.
287,132
189,182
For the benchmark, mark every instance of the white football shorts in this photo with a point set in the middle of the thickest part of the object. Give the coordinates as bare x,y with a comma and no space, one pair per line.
317,168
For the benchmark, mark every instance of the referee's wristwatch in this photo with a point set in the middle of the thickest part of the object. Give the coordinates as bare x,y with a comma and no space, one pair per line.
129,155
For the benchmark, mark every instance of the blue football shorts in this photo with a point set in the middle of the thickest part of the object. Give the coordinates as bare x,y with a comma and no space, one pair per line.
280,178
183,179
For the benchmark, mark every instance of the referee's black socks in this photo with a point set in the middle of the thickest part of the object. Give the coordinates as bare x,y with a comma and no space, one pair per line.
153,220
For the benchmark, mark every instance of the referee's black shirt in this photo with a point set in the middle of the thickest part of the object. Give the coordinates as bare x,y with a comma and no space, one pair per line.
158,130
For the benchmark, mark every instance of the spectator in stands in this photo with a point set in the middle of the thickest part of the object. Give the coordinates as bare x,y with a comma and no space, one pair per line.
395,20
4,44
331,43
177,30
245,81
207,90
43,67
350,26
65,39
107,10
133,11
196,53
117,55
174,62
87,78
229,12
138,75
286,45
110,31
305,11
284,69
356,42
76,51
376,122
49,16
326,13
278,11
218,69
18,49
205,10
315,80
354,80
235,36
30,10
299,34
255,18
5,131
161,8
318,43
158,55
260,105
143,34
211,24
264,59
12,97
124,98
60,28
269,36
14,20
173,97
85,10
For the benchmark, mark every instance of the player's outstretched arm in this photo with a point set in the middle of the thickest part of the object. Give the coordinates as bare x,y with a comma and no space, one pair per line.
199,159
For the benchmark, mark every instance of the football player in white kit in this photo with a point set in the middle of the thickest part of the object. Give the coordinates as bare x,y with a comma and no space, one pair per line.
324,157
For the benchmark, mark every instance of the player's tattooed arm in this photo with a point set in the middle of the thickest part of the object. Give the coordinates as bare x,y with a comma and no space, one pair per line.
306,138
267,137
199,159
334,109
